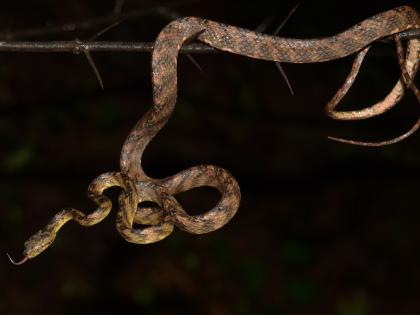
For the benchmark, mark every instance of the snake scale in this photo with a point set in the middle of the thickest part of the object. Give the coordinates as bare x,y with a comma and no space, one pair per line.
137,187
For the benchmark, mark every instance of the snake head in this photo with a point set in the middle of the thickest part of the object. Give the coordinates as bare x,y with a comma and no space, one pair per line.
37,243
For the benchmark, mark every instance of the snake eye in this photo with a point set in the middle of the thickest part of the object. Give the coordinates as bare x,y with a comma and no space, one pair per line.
37,243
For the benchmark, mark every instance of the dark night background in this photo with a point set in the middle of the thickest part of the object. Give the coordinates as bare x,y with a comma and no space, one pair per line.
323,227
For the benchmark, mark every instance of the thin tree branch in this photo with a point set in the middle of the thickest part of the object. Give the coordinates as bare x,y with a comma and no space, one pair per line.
409,34
78,46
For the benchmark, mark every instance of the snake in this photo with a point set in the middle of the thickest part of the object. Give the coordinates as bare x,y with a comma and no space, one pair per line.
409,67
137,187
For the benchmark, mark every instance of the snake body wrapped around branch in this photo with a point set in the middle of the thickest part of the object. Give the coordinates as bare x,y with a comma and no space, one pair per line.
138,187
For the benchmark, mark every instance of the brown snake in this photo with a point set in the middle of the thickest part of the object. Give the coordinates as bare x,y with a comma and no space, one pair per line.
138,187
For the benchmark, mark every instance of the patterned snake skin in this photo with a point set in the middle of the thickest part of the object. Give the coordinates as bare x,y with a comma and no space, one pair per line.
138,187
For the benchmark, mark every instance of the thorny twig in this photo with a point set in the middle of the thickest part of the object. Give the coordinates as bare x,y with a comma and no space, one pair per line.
78,46
114,46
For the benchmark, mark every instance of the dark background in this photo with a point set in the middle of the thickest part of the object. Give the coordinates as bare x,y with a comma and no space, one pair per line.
323,227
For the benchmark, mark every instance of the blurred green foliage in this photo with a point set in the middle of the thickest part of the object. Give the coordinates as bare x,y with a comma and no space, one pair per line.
355,304
302,291
18,159
145,295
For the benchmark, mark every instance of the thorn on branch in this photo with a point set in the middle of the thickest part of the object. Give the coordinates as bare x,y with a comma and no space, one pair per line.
194,62
94,68
278,64
104,30
279,28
